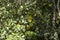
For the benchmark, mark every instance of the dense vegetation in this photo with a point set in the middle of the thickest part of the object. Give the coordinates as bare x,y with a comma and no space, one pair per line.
29,20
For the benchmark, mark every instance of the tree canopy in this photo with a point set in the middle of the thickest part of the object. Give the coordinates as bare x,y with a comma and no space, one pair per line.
29,19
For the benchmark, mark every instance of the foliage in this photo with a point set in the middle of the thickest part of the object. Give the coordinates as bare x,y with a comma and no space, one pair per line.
28,20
